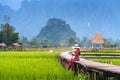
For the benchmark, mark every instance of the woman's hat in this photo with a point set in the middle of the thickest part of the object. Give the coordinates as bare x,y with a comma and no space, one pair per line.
76,46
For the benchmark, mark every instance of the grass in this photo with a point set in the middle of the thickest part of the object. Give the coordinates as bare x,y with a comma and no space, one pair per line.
108,61
33,65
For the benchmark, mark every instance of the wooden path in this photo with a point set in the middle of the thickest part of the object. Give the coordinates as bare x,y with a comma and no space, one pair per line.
92,69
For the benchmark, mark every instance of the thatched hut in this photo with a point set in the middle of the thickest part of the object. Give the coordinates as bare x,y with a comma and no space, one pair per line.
16,46
97,39
2,45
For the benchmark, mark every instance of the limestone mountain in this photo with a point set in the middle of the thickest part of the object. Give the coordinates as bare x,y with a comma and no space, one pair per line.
56,31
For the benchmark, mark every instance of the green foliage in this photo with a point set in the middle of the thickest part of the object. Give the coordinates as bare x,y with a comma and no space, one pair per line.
113,61
85,42
109,61
112,43
8,34
42,43
117,43
24,41
71,41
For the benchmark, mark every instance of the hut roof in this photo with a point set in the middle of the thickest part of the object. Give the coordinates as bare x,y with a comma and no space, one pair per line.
97,39
2,44
16,44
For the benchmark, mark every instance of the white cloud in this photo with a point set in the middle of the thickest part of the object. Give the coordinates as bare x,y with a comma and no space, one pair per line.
88,24
13,4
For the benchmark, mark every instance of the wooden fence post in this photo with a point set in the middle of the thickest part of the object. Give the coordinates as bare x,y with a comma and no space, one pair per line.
89,73
75,68
105,76
78,68
116,78
96,76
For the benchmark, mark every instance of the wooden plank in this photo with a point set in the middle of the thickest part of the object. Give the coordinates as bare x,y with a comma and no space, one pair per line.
99,66
116,78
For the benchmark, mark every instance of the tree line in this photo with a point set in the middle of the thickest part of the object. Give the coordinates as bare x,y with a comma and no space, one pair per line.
84,42
9,36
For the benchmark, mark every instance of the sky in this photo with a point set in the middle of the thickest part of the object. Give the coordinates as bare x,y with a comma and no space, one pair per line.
84,16
15,3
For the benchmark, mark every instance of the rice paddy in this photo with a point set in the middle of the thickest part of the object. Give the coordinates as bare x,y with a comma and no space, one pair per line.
108,61
34,65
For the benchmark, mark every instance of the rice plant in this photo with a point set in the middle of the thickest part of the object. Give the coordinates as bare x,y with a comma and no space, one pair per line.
34,65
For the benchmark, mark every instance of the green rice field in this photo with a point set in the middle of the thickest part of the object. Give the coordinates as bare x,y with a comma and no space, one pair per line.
34,65
108,61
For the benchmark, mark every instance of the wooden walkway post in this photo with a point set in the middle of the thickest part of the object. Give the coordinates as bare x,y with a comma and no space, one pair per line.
96,76
75,68
89,73
116,78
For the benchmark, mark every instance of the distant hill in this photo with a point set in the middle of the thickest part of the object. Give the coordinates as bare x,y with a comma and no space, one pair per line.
56,31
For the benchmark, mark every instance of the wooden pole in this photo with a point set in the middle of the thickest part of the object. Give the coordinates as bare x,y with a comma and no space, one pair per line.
78,69
116,78
101,46
96,74
89,75
92,45
75,68
105,76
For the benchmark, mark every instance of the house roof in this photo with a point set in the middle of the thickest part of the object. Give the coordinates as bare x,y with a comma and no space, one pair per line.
2,44
16,44
97,39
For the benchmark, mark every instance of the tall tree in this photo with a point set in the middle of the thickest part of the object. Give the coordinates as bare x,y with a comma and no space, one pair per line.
118,43
24,41
110,43
72,40
85,42
8,34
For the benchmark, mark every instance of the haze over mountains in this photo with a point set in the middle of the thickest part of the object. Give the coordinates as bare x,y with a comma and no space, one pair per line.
84,16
